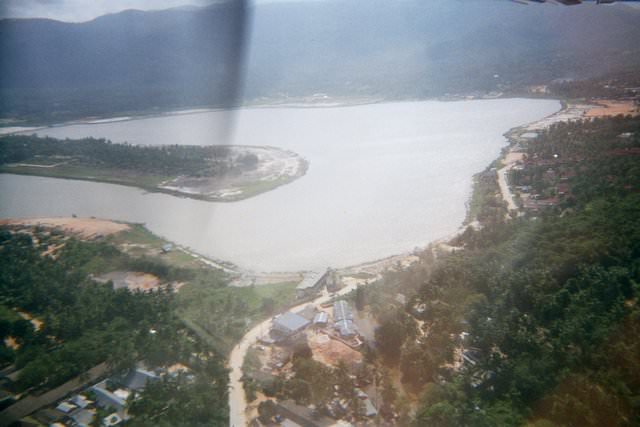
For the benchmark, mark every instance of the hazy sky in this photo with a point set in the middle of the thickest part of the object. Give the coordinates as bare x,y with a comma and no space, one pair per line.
83,10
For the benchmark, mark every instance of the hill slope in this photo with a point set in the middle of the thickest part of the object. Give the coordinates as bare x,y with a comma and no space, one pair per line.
137,60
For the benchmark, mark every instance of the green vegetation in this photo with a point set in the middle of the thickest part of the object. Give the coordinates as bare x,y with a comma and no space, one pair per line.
147,167
85,323
225,313
153,168
486,204
101,160
187,399
550,304
610,86
101,154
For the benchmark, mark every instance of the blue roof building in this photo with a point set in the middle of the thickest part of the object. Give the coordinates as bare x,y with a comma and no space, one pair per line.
289,324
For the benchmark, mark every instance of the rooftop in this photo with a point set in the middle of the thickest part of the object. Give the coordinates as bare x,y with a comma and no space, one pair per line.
342,311
309,281
107,399
321,317
83,417
346,327
291,322
138,378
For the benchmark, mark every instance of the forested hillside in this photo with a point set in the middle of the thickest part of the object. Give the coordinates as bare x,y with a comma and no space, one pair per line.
533,321
158,60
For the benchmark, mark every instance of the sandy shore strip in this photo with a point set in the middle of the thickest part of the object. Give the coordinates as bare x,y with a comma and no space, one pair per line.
87,228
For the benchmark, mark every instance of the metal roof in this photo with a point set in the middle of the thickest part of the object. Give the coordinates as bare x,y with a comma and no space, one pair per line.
346,327
369,409
83,417
291,322
80,401
66,407
309,281
321,317
106,398
341,311
138,378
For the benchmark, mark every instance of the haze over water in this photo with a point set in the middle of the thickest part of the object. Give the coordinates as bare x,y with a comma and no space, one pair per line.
382,179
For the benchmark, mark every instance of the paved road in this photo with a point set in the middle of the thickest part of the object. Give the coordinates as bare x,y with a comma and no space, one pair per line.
237,398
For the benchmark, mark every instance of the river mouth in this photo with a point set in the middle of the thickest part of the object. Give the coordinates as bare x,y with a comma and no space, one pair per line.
382,180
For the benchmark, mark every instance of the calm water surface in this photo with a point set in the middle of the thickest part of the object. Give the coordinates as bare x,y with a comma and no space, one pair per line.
382,180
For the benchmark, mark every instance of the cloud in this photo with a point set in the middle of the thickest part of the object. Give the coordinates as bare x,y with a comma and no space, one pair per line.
83,10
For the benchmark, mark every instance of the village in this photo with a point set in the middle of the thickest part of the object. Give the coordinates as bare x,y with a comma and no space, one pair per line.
333,334
554,171
329,335
104,402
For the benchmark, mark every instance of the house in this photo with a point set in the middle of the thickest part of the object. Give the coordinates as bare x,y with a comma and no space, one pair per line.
342,311
346,328
80,401
321,319
313,282
83,417
533,204
288,325
138,378
302,415
166,248
343,319
65,407
106,399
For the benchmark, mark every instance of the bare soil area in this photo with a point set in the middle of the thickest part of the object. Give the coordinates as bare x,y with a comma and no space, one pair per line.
613,108
330,351
132,280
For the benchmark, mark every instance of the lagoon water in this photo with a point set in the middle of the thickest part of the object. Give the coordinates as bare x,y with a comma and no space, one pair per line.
383,179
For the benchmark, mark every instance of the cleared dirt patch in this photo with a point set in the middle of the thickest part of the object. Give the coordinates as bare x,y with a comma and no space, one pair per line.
613,108
131,280
330,351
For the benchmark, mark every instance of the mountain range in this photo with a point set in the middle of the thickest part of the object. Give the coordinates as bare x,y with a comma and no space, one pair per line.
230,53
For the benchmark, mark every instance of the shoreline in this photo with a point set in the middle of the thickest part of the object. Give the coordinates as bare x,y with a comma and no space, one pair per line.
117,117
375,264
302,103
